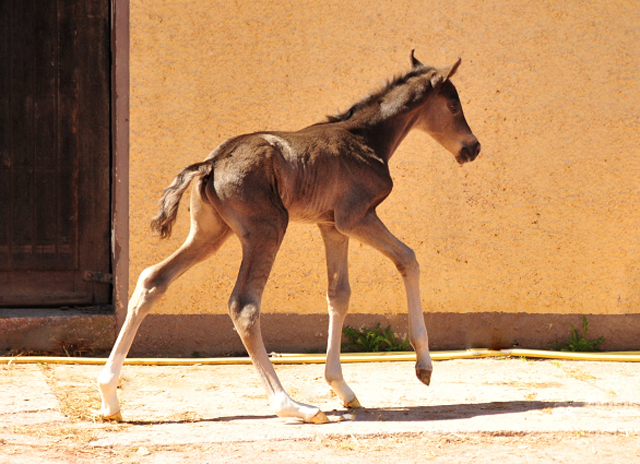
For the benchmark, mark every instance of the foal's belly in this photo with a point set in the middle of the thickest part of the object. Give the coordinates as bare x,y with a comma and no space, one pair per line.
308,215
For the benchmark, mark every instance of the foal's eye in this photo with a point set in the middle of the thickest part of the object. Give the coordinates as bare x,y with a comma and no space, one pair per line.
454,106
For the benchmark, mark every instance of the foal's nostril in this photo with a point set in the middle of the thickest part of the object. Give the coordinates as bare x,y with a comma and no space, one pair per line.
476,150
472,151
469,152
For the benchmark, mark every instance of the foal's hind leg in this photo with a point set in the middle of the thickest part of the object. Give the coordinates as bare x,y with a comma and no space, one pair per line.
259,247
208,232
338,293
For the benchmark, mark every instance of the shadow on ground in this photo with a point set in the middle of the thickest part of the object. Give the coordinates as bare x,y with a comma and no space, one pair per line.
456,411
401,414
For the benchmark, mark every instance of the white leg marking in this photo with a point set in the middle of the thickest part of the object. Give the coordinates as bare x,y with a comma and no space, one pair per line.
338,294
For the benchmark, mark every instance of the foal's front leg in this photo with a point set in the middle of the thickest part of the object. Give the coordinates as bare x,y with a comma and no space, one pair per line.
369,229
338,293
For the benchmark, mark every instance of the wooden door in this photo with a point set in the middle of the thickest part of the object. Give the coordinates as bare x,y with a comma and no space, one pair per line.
54,153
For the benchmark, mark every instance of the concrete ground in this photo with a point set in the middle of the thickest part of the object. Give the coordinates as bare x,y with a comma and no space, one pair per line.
221,414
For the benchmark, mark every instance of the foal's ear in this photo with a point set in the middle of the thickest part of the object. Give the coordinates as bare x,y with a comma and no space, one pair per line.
441,75
414,62
451,70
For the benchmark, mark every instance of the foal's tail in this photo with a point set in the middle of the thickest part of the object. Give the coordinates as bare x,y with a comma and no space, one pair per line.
166,216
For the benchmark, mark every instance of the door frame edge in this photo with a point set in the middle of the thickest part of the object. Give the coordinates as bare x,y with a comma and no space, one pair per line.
120,43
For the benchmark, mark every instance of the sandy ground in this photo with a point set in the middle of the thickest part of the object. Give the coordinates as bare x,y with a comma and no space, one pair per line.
475,411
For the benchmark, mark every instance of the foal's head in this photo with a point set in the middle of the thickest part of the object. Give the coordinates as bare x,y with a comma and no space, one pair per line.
442,116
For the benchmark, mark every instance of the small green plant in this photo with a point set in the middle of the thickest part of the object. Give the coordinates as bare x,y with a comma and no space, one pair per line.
373,340
577,343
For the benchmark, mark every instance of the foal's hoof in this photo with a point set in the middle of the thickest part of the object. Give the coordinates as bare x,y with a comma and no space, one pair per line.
353,404
424,375
319,418
117,417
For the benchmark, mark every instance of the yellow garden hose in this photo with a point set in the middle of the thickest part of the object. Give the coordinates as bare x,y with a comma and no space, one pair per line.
617,356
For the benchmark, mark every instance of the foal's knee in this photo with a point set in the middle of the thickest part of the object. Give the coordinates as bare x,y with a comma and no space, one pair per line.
244,314
407,263
338,296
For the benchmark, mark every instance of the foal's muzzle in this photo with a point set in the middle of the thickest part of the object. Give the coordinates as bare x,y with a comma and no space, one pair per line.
469,152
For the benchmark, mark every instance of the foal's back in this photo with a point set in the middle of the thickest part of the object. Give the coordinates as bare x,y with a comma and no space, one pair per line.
309,173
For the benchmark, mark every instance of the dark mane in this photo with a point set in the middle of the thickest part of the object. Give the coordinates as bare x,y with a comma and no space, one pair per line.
395,82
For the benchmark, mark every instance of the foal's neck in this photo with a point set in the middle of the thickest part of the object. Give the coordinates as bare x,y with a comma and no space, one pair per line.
398,111
388,132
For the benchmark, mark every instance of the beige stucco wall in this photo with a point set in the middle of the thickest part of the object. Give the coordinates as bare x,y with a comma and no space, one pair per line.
545,221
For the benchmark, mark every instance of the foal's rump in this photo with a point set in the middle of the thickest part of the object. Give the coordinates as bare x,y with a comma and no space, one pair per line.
245,165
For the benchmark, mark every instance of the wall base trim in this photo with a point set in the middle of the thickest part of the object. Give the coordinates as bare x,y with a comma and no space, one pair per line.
214,335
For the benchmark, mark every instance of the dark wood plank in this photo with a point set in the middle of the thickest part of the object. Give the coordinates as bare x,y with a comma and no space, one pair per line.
46,149
94,141
5,137
69,128
46,219
67,217
45,299
22,83
5,218
46,68
33,282
22,245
